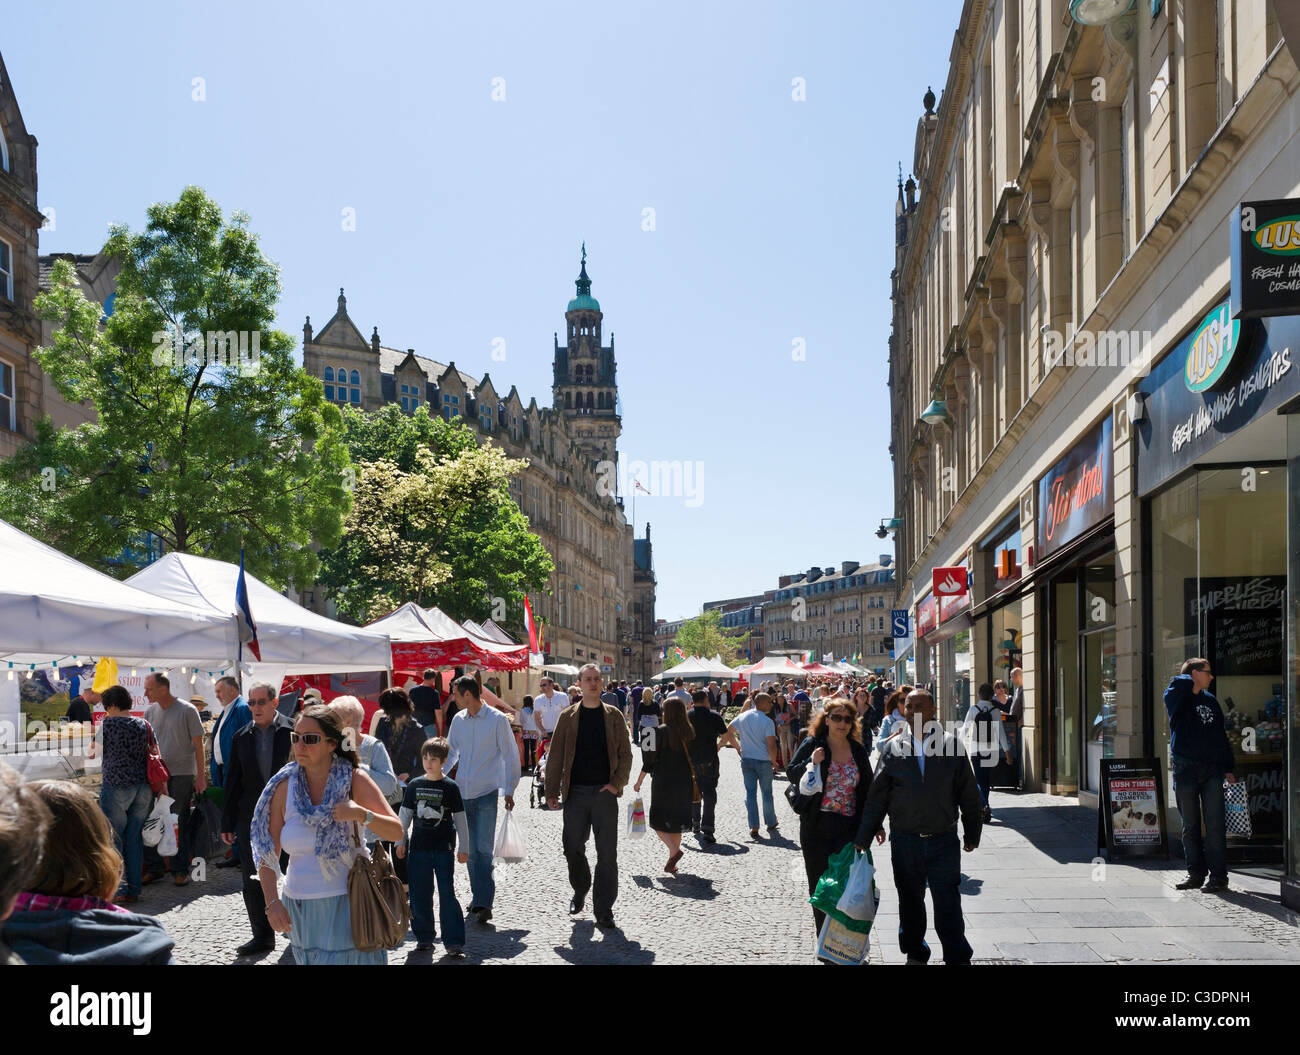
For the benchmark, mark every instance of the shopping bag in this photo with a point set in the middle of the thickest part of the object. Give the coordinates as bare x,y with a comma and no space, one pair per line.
860,896
830,887
205,829
811,781
511,847
838,944
169,844
1236,809
636,825
156,822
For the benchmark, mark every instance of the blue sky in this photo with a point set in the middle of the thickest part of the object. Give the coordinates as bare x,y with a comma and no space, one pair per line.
773,218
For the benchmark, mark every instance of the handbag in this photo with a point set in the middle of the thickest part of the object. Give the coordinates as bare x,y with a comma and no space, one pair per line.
157,774
798,799
380,912
695,784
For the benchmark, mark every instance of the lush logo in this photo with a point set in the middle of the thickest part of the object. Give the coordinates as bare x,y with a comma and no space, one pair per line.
1211,349
1280,237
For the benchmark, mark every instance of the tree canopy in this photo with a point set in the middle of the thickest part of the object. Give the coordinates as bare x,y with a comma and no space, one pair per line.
706,636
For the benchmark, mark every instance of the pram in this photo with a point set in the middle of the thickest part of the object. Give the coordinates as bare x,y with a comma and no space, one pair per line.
537,791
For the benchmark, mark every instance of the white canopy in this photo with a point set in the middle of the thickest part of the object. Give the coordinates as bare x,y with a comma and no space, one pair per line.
490,629
772,666
53,607
288,635
560,668
406,624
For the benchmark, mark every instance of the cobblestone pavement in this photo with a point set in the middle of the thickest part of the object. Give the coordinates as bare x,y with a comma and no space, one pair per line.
1031,894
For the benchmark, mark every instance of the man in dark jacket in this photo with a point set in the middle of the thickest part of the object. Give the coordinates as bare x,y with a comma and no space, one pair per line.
1202,761
258,751
923,779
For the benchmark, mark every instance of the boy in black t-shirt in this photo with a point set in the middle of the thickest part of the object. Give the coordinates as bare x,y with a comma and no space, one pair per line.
709,726
432,803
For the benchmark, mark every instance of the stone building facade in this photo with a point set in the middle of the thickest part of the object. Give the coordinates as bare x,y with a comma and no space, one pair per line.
26,393
842,612
600,603
1064,233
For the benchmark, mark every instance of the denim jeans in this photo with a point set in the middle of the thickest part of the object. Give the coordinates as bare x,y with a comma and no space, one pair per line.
1198,787
758,774
481,815
423,866
589,809
934,861
983,775
127,806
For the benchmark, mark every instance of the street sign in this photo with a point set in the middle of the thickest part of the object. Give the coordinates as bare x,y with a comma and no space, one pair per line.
898,617
950,582
626,651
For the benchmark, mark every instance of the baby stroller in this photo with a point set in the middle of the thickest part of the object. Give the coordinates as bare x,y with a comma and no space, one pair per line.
537,791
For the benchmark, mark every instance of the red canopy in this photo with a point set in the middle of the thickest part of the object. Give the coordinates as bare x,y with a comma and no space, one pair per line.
429,638
819,669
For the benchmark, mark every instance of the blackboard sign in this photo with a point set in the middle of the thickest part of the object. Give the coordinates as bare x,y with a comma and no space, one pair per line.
1247,643
1131,809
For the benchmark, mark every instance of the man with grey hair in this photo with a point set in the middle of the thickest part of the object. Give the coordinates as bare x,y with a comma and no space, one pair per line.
258,751
374,756
180,732
923,780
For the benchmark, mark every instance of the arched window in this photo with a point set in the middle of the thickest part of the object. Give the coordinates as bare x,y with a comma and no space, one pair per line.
329,373
355,379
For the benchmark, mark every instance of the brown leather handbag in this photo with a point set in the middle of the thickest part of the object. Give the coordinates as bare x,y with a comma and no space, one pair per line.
380,912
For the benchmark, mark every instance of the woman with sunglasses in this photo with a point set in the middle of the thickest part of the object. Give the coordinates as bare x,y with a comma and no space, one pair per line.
314,809
830,820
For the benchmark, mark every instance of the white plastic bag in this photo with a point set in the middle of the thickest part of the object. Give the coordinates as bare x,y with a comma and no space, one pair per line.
860,897
511,847
156,822
636,825
811,781
169,844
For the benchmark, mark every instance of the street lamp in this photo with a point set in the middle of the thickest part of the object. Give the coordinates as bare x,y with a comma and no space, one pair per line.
936,413
886,526
1098,12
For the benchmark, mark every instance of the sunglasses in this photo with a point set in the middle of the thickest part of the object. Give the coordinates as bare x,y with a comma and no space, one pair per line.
838,718
310,739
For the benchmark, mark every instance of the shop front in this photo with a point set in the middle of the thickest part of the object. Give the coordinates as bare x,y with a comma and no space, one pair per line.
1216,467
1073,570
945,653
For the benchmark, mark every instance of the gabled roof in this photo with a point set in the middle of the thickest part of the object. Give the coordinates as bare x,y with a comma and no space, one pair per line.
341,330
391,358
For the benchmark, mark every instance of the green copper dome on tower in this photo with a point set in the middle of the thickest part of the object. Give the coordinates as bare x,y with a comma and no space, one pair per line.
584,301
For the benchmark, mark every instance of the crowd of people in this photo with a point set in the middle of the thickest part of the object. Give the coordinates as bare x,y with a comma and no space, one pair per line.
304,797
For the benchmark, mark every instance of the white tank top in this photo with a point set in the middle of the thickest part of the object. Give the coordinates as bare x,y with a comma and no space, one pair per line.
304,880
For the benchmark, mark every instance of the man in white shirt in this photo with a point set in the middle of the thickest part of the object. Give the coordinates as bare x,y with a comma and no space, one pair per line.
981,730
484,761
547,708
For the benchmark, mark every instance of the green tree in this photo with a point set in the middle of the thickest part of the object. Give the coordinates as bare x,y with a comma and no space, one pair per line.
206,456
706,636
432,521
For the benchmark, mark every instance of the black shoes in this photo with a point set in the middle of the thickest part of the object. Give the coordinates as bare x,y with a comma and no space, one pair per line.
251,948
484,914
605,922
575,905
917,960
708,840
424,946
1192,883
1215,886
228,862
771,829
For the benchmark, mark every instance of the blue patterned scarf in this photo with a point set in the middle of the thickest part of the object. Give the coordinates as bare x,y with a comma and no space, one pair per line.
334,848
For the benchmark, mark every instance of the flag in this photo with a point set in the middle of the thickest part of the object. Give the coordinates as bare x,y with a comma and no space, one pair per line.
244,616
678,652
636,484
533,646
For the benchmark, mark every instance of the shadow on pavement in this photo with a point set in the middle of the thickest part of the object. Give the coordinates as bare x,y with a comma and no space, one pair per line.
1065,833
613,948
723,849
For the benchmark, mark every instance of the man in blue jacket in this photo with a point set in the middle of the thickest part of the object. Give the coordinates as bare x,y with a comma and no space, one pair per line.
235,714
1202,761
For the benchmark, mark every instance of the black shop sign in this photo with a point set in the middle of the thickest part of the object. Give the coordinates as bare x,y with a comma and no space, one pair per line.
1266,258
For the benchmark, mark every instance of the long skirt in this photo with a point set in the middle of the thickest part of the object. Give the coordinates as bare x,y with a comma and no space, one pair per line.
320,931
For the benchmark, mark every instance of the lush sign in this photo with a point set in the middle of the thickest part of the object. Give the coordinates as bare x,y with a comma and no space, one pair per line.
1266,258
1078,492
1211,349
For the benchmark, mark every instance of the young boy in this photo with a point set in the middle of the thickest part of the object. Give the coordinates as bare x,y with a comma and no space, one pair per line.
433,803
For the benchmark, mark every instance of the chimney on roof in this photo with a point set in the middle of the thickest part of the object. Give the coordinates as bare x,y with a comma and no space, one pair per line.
828,572
886,560
814,574
848,567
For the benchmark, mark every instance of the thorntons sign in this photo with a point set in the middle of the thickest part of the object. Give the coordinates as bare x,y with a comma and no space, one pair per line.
1077,493
1218,379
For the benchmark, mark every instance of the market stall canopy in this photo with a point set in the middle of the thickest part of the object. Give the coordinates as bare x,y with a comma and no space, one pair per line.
774,666
53,607
428,637
560,668
288,635
490,629
819,669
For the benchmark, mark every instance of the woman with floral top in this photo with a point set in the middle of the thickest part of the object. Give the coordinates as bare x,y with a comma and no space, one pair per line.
829,822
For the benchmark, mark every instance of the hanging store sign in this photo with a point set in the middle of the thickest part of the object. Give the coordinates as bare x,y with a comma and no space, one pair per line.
1182,424
927,616
950,582
1266,258
1078,493
1210,351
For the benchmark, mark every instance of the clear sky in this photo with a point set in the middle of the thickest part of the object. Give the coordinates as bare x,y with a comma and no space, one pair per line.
772,218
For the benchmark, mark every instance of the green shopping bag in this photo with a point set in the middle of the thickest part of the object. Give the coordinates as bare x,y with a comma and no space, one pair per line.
831,885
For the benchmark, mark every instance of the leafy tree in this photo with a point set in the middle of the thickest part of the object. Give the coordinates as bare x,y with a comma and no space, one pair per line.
198,449
432,521
706,636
